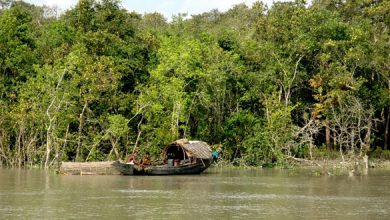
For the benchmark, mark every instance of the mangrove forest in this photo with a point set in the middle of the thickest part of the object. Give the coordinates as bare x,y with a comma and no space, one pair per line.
295,80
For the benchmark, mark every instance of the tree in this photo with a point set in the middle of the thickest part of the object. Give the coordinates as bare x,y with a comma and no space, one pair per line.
117,129
268,83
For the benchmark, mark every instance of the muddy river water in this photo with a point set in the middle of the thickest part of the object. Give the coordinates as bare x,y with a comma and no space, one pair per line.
215,194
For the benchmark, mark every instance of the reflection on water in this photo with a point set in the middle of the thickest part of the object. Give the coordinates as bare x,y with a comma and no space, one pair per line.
216,194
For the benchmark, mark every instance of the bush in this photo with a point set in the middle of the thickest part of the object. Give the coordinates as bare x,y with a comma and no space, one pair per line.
324,153
380,154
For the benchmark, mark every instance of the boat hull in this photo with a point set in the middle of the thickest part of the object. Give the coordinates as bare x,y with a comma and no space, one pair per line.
124,168
186,169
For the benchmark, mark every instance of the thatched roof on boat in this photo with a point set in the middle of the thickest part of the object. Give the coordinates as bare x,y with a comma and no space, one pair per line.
197,149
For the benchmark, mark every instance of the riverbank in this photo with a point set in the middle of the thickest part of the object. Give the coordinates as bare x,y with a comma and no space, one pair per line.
319,167
316,166
340,167
339,163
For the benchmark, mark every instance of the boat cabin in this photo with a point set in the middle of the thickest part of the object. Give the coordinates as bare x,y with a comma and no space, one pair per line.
183,152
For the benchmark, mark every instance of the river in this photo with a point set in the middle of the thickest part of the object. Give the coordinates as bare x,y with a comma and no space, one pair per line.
215,194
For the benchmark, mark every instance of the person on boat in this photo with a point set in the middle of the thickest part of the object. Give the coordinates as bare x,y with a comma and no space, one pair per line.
146,161
216,154
133,158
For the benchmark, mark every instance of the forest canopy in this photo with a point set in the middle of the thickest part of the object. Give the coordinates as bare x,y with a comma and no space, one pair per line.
266,83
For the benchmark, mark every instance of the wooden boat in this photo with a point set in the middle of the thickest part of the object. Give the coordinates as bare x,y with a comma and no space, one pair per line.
180,157
131,169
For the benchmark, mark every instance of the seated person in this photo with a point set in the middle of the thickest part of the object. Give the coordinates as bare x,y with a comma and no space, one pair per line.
146,161
132,159
169,156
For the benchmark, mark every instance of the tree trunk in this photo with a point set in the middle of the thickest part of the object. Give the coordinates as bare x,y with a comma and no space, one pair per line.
311,148
139,134
3,156
367,139
29,151
327,135
114,143
52,121
387,130
352,149
19,144
80,129
48,145
88,168
48,133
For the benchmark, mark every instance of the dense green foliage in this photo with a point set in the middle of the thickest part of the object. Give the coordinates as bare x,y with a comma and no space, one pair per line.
268,84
